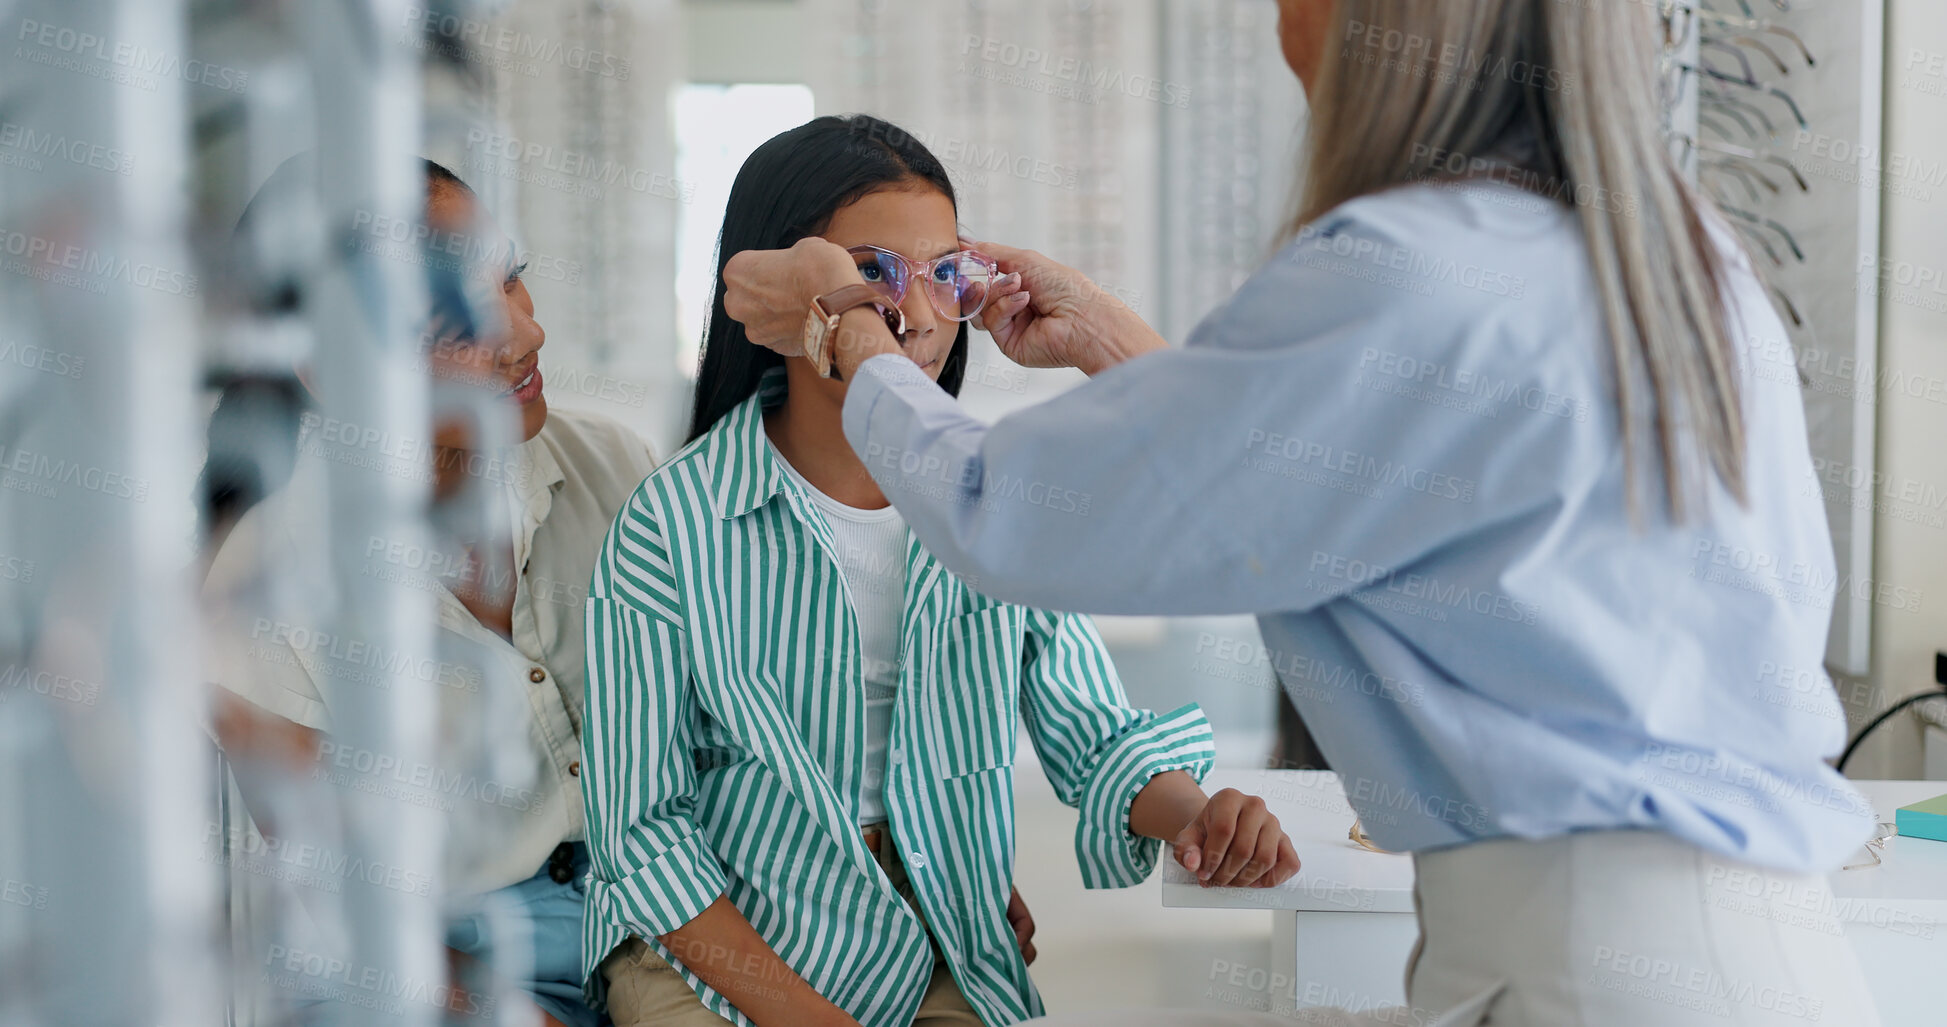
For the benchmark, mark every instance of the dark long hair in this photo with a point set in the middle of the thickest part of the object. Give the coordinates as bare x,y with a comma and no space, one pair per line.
788,190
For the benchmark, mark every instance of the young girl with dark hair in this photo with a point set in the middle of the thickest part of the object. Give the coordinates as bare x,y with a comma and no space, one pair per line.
801,729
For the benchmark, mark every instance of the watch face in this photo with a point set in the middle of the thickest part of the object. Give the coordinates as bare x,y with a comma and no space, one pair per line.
817,333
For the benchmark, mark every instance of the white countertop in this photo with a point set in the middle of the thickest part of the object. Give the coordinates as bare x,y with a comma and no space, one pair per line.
1338,875
1914,869
1335,873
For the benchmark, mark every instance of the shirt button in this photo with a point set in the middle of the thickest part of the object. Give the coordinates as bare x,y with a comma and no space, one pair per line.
917,860
574,769
537,675
561,863
898,757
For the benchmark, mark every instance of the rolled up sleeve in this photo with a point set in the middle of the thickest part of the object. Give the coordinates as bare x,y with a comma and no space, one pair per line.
1096,750
664,891
1111,855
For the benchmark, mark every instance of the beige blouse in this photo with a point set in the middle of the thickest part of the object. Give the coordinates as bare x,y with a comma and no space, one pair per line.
506,774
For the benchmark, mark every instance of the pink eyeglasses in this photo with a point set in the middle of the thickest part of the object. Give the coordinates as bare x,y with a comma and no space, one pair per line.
956,284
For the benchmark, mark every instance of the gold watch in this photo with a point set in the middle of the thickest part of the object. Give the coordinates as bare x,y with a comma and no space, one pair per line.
821,323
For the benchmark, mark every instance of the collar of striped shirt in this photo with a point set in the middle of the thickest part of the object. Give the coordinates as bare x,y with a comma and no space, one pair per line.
744,473
724,744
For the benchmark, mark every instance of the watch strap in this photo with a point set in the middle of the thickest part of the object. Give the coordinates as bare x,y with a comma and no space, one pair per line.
838,301
825,312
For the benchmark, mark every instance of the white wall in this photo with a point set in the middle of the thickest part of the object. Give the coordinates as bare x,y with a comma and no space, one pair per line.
744,40
572,154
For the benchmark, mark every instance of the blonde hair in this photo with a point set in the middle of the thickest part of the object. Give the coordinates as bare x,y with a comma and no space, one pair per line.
1413,90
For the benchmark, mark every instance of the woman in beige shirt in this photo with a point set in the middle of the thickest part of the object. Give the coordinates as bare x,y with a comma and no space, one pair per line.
508,675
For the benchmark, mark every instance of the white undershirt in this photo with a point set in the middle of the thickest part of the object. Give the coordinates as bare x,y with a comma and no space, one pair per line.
871,549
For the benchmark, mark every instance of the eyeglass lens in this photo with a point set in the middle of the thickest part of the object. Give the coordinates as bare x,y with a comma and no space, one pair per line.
956,284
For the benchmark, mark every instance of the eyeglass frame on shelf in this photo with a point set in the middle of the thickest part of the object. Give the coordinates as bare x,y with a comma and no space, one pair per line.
1876,846
1363,840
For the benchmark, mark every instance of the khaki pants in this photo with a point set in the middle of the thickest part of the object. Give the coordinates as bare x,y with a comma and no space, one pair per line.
645,991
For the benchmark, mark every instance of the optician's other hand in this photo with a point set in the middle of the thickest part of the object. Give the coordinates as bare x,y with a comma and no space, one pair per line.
1235,841
1046,314
770,291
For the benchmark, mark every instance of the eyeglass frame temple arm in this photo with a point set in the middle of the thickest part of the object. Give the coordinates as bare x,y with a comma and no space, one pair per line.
1751,232
1704,120
1771,223
1750,130
1755,25
1798,320
1741,153
1797,114
1876,846
1736,173
1728,165
1750,73
1760,45
1727,100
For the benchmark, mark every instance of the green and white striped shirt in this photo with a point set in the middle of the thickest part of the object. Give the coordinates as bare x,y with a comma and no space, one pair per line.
724,743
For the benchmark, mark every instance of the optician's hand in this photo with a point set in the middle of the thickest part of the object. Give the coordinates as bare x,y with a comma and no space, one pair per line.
1045,314
770,291
1235,841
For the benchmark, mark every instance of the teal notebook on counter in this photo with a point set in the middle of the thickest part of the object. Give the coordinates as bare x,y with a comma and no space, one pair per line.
1924,819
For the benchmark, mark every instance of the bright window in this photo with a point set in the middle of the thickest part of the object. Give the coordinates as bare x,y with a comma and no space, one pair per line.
717,126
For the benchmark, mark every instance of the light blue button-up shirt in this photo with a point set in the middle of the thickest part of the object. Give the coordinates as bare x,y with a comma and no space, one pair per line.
1399,446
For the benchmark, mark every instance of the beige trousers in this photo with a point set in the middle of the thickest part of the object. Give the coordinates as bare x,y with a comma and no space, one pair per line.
1599,929
645,991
